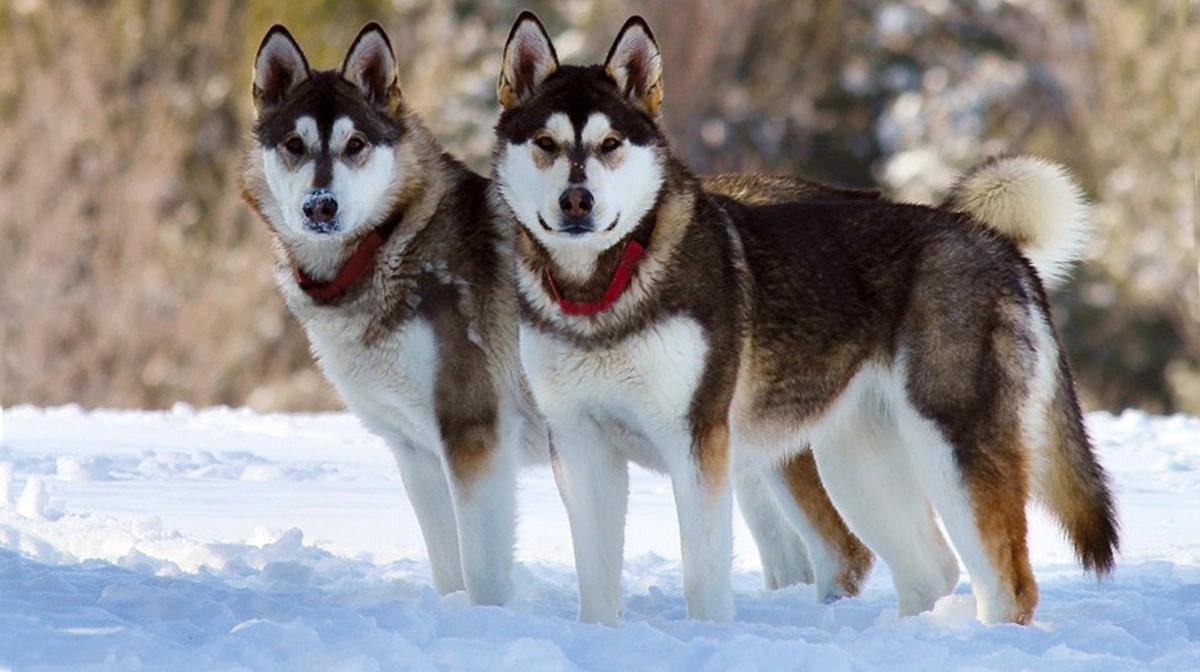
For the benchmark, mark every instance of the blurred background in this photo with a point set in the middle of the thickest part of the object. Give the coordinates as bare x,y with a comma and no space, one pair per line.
131,274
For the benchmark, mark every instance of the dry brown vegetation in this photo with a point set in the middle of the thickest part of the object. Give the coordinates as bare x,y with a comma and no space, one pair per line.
131,275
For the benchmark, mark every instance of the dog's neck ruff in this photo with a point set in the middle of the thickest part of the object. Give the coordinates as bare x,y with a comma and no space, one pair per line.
620,282
353,269
622,276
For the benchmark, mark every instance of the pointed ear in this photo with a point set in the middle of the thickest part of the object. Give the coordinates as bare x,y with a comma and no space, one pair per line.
278,68
635,64
529,58
371,66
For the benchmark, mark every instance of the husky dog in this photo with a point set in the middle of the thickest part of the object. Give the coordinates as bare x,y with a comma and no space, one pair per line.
911,347
390,258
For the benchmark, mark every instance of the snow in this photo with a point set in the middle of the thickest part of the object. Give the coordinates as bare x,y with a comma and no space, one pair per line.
223,539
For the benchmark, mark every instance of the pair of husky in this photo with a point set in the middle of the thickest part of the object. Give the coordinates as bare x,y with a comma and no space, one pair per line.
739,333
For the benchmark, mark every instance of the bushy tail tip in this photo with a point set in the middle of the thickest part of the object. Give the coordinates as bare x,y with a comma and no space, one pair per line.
1034,202
1074,487
1084,507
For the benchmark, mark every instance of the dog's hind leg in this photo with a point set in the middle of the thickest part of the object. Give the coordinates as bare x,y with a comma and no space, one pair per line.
868,477
782,552
963,415
428,490
593,481
839,560
982,505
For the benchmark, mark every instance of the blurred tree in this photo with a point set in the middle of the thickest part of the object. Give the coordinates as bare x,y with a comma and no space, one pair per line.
132,275
1135,93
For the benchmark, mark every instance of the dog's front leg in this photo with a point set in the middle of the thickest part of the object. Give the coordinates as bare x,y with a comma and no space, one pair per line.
424,479
700,478
593,480
482,462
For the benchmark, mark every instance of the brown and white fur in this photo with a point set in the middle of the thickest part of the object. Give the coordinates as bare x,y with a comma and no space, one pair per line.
799,534
419,335
911,347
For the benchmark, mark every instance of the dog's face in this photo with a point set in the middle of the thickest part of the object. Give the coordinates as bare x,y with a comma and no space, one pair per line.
327,140
579,156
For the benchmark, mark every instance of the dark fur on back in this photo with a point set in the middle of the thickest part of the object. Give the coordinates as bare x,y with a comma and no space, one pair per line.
764,189
835,281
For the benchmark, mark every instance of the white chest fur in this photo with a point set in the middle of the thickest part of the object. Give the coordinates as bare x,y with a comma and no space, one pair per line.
632,391
389,384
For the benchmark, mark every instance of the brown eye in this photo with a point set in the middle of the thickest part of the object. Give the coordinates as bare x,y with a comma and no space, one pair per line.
294,145
545,143
610,144
355,146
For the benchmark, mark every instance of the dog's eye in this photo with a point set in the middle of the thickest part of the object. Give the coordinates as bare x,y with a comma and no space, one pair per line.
610,144
355,146
545,143
294,145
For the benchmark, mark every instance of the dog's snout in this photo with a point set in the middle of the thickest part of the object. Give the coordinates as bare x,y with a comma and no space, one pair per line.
576,202
320,207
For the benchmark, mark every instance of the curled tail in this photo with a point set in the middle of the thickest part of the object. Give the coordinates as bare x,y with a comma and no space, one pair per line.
1072,485
1034,202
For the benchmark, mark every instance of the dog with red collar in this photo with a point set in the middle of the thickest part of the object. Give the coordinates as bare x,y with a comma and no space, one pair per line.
389,255
909,348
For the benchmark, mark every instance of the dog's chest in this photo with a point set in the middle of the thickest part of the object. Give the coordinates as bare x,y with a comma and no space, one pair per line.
389,384
632,389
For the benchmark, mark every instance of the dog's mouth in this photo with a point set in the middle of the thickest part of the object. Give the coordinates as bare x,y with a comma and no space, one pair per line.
576,230
323,229
579,228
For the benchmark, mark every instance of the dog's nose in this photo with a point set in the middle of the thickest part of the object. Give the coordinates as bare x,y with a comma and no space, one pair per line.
576,202
320,207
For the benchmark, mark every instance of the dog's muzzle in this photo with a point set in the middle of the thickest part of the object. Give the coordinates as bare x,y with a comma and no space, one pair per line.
320,210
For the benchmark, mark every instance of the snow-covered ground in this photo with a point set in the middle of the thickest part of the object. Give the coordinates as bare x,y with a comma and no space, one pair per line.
223,539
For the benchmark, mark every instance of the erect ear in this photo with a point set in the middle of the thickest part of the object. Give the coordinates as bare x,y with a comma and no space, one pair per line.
278,68
371,66
635,64
529,58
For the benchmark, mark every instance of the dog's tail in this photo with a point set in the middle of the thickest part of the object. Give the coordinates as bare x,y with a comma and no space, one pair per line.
1034,202
1072,485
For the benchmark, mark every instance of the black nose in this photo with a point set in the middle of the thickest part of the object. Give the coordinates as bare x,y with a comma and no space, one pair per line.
320,207
576,202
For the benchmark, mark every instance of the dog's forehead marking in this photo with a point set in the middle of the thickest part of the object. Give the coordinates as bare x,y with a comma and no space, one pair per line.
596,129
306,128
343,128
559,126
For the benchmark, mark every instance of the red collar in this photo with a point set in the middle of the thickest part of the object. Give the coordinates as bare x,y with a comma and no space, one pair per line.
620,282
352,269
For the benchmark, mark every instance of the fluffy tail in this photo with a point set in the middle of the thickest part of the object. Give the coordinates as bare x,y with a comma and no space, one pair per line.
1072,484
1034,202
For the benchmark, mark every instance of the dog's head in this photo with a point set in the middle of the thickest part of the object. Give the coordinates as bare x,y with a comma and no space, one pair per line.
580,158
326,140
